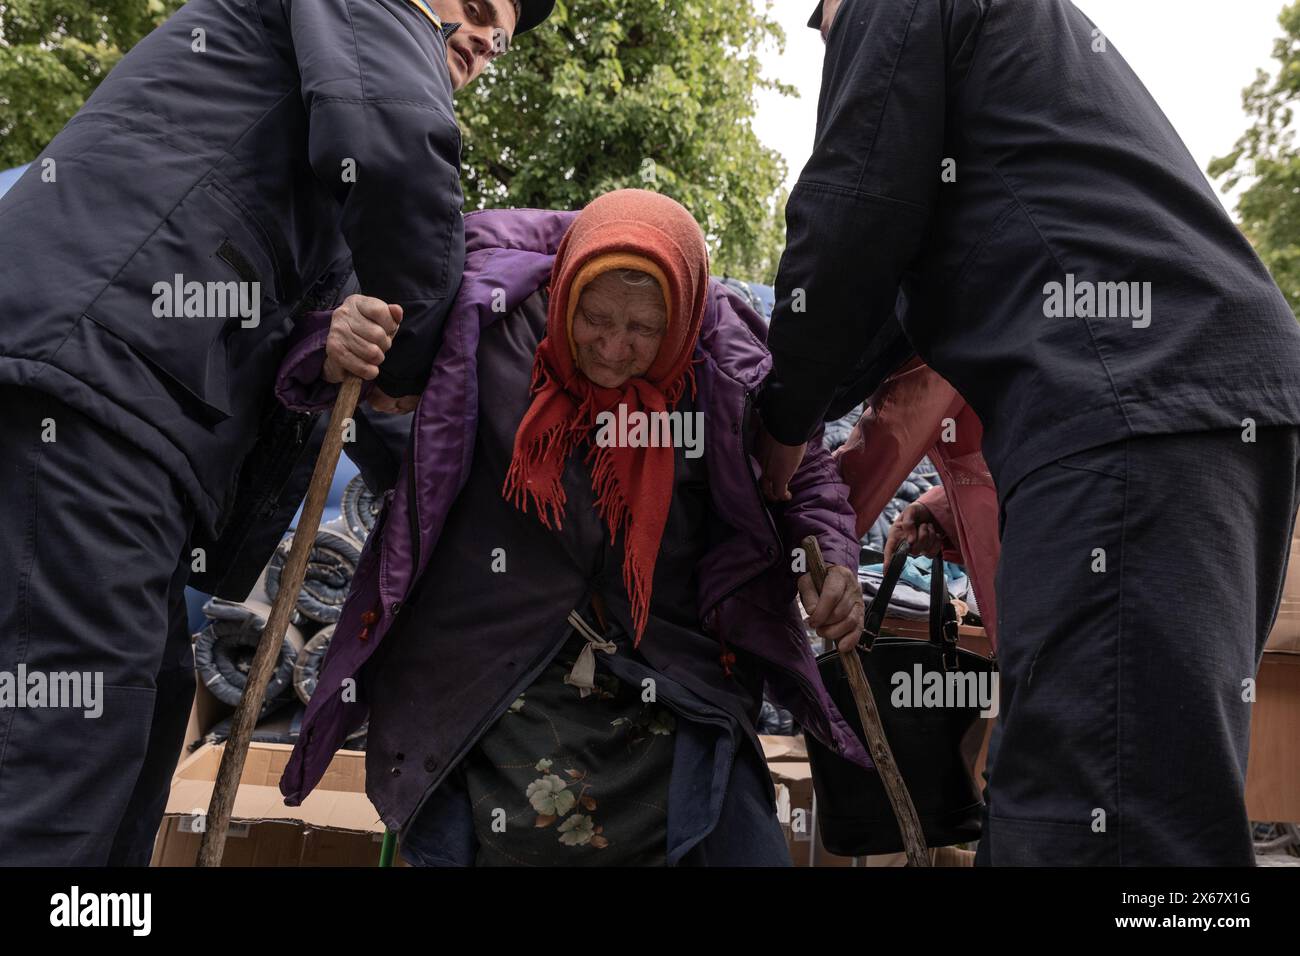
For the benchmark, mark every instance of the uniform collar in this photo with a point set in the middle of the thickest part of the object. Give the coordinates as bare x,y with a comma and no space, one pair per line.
423,7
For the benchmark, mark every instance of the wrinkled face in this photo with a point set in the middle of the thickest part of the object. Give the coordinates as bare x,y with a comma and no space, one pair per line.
487,27
618,326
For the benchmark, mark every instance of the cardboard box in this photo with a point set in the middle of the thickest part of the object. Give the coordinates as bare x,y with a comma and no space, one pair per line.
1273,774
205,712
1285,635
335,826
779,749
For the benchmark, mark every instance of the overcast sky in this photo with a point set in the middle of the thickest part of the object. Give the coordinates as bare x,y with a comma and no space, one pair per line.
1195,56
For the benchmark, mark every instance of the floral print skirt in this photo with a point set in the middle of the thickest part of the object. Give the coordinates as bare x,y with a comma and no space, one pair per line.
566,780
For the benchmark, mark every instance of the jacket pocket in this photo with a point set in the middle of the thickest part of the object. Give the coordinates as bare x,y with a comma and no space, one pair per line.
1110,460
203,275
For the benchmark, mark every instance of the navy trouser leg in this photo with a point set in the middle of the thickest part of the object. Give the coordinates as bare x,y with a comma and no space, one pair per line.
747,832
173,699
442,832
90,568
1137,586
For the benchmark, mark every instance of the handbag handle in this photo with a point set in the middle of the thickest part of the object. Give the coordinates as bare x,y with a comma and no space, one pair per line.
875,615
943,617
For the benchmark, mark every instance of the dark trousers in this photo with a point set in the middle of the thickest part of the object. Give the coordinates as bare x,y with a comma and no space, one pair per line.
1126,686
93,563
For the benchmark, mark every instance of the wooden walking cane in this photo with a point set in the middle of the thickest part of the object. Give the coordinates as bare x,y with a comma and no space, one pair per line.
268,647
909,825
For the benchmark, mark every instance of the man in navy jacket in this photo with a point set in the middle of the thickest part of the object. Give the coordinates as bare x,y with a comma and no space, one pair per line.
245,162
991,180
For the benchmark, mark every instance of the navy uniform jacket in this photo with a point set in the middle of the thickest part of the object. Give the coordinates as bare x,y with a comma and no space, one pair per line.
284,142
1066,190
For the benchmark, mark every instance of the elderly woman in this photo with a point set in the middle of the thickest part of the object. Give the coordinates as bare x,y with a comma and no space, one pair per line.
564,622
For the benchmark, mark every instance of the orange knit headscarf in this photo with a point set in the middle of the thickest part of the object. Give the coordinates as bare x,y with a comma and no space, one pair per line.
634,229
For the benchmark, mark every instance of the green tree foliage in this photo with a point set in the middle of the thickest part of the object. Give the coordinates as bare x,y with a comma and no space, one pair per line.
652,94
53,53
1267,162
656,94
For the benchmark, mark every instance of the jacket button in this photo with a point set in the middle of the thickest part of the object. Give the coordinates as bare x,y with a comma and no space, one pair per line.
431,764
399,755
397,606
397,772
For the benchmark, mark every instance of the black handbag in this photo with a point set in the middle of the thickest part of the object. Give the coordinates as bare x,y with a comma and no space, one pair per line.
934,746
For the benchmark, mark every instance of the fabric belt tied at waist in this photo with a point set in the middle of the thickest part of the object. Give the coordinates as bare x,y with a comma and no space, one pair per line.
583,673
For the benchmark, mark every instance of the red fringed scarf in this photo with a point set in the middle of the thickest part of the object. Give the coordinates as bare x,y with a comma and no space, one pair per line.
633,486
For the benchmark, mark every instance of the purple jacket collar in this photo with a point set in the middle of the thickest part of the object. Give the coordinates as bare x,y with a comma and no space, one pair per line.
746,593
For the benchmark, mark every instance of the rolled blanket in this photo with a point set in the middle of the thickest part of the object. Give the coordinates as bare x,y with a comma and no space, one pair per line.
775,721
306,669
224,649
306,672
281,726
906,601
330,567
911,597
360,508
837,432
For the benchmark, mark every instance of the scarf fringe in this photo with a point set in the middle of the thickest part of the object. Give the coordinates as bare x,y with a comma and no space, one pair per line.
526,478
546,494
612,507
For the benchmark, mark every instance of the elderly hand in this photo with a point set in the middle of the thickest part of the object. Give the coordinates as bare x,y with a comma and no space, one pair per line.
917,527
837,612
361,333
779,463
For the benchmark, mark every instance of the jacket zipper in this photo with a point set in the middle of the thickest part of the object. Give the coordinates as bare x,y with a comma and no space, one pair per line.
745,416
413,501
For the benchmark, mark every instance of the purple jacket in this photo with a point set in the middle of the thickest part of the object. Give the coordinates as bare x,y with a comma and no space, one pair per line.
746,592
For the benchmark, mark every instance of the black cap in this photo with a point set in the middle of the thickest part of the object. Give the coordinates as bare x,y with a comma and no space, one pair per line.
815,21
532,13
